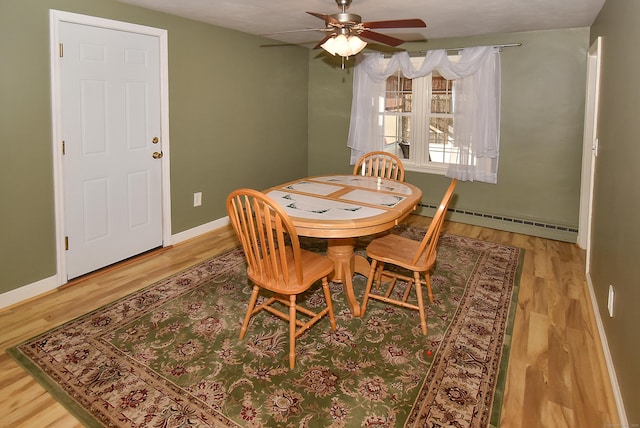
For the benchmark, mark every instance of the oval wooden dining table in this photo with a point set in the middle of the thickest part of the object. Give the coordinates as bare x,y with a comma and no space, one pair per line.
342,207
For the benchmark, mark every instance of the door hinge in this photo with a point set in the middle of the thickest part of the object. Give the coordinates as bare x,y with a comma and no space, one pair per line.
66,243
64,149
61,50
596,146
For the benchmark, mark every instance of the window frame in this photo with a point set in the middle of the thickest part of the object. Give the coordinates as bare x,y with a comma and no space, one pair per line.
420,116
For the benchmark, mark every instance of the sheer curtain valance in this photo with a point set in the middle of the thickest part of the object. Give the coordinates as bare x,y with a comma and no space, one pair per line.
476,94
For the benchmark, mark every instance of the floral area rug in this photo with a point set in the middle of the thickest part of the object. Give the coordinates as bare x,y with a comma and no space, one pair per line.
169,355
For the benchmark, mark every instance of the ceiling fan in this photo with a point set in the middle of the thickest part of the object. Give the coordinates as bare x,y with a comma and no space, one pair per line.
346,30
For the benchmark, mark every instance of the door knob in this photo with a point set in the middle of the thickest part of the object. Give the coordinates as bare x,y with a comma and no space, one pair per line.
157,155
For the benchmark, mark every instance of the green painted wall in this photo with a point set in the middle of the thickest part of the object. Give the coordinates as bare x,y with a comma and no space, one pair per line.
616,229
543,92
238,113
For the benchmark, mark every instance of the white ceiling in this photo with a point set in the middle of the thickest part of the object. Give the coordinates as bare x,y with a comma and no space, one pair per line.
444,18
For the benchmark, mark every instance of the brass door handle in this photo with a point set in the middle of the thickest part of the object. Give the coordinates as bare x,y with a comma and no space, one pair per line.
157,155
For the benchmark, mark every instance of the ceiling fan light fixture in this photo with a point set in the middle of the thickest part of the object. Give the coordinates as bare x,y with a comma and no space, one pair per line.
343,45
329,45
356,44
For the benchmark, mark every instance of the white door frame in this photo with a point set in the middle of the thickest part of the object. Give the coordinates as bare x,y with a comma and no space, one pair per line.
55,18
589,147
589,157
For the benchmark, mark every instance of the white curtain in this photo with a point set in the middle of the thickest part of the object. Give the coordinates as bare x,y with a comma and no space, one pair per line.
476,105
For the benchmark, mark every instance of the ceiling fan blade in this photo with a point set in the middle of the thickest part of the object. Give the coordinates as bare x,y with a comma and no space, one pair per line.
382,38
327,18
396,23
293,31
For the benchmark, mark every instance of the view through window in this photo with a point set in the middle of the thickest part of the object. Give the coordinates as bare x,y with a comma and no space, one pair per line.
418,121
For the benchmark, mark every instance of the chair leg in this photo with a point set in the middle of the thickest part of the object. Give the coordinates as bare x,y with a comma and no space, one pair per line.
379,275
427,279
292,331
407,290
392,284
367,290
252,304
327,298
423,321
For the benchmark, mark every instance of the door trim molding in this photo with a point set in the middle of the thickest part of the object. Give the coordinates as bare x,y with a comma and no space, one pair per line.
589,154
588,151
56,17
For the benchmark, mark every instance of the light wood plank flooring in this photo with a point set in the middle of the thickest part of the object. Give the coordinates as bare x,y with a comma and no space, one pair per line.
556,377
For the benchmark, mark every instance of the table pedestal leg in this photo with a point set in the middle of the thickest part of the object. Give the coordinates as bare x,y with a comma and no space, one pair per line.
346,263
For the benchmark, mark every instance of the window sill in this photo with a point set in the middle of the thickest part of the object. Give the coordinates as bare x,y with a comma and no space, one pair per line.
428,169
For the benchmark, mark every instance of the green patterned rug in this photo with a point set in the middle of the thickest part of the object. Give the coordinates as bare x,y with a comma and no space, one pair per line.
169,355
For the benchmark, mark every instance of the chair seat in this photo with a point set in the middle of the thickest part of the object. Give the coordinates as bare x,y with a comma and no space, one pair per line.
400,251
315,266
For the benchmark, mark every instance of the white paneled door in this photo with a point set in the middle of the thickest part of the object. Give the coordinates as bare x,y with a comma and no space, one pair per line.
111,127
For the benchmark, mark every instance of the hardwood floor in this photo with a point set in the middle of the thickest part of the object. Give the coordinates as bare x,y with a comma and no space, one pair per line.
556,377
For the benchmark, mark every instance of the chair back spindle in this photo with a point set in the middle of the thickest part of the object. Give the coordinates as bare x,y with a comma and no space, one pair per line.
380,164
266,237
430,241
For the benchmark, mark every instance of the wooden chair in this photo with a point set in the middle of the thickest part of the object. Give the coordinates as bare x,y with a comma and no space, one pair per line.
416,256
277,263
380,164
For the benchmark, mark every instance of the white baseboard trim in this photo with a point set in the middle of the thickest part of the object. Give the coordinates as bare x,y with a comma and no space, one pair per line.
29,291
199,230
617,395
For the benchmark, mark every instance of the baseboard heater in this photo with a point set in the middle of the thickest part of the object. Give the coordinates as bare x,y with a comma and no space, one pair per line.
508,219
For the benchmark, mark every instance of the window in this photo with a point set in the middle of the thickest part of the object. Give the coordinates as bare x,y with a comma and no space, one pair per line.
415,118
418,121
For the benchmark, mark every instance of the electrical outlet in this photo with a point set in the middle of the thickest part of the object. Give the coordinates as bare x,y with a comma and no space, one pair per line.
610,300
197,199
